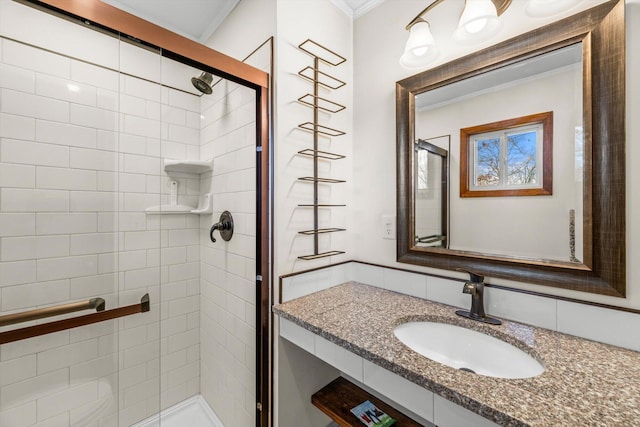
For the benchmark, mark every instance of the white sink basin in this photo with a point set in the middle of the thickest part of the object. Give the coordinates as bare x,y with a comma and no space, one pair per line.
466,349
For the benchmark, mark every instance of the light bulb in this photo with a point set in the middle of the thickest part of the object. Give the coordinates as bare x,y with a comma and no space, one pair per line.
418,58
420,51
474,27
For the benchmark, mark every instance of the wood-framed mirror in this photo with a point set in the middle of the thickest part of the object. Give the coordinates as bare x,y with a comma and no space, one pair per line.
595,242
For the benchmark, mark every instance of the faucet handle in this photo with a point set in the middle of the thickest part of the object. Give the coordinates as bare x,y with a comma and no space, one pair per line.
474,277
224,225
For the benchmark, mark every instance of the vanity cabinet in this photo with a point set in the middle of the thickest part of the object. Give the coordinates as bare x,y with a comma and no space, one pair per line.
360,323
416,402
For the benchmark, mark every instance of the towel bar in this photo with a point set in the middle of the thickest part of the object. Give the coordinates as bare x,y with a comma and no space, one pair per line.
74,322
40,313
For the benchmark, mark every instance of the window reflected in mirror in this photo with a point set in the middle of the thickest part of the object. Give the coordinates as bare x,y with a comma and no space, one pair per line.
508,158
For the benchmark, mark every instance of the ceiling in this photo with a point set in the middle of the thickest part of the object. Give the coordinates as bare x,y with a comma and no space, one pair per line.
198,19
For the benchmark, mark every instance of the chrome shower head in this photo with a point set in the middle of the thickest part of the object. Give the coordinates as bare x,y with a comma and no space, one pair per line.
203,82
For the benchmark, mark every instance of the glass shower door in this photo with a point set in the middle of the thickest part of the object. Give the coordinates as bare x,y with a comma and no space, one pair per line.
72,225
113,168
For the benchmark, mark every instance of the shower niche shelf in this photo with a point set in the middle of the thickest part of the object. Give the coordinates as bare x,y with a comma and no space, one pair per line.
169,209
205,206
320,79
188,166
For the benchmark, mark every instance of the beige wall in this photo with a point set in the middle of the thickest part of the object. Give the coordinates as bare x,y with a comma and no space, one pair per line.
322,22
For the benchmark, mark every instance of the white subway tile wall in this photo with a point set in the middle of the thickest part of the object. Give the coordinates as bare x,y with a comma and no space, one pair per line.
83,131
228,269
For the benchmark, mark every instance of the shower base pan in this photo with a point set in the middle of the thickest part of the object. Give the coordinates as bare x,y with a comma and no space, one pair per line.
191,412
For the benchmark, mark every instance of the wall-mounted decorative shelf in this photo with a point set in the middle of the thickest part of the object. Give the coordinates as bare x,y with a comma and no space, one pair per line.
318,103
317,179
320,255
321,205
321,154
319,129
321,103
188,166
321,231
325,80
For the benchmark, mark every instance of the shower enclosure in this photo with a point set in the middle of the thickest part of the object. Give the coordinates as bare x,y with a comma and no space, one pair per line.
113,168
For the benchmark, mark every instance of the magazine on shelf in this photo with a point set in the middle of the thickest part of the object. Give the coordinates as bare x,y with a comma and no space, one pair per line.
371,416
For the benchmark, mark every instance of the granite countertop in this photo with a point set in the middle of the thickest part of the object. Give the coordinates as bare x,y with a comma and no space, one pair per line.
585,383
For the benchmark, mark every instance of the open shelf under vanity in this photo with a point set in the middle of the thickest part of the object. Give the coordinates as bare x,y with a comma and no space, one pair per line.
338,397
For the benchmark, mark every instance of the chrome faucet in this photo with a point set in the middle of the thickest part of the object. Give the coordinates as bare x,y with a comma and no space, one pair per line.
475,287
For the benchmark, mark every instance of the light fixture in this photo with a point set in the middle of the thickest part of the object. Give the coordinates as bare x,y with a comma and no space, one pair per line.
478,22
420,47
544,8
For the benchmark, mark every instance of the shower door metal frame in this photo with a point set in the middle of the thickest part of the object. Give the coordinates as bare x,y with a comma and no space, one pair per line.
93,12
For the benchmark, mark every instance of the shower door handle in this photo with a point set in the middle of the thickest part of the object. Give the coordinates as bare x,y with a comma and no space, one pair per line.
94,303
73,322
224,226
